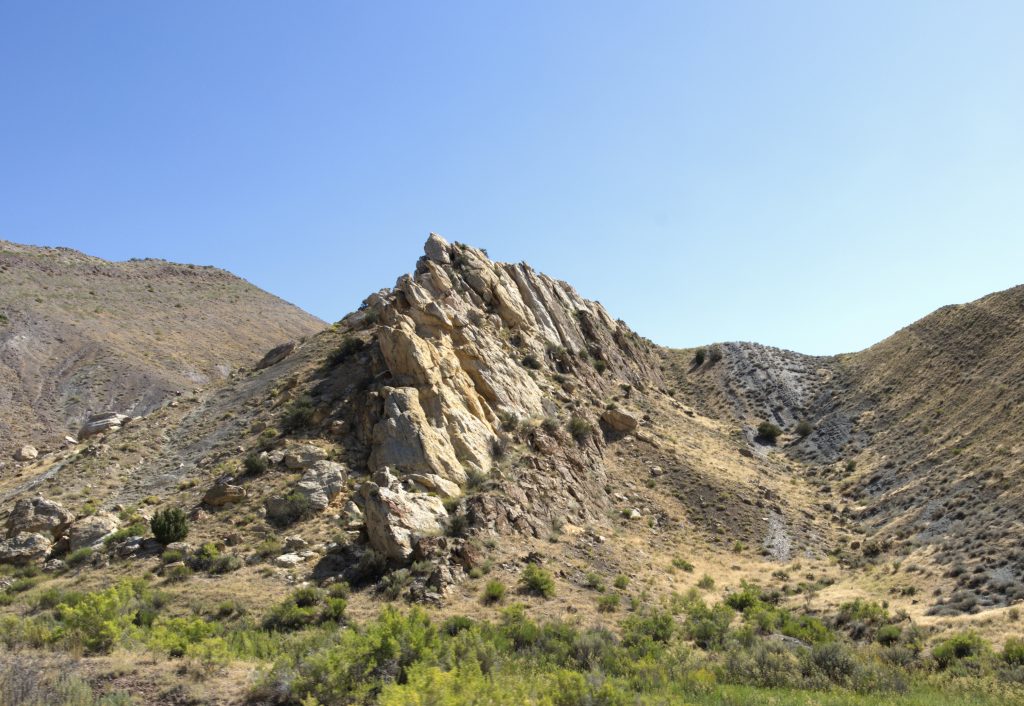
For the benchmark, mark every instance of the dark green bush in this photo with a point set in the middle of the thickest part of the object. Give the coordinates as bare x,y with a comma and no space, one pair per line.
255,465
299,415
768,432
580,429
1013,652
957,648
169,525
530,361
350,345
699,356
804,429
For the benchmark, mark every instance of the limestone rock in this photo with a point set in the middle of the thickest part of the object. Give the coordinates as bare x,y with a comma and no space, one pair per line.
99,423
322,483
289,560
303,456
437,248
221,494
620,420
90,531
395,517
26,453
435,484
276,354
40,516
24,547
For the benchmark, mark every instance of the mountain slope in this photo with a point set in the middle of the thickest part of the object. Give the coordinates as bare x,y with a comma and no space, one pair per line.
81,335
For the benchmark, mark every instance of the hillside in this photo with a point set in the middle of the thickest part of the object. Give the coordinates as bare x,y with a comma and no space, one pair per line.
80,336
538,490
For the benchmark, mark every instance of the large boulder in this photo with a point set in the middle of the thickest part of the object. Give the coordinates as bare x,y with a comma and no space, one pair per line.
395,518
24,547
276,354
99,423
322,483
90,531
26,453
224,494
40,516
620,420
319,486
432,483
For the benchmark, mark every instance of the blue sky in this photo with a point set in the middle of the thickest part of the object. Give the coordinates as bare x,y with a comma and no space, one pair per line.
804,174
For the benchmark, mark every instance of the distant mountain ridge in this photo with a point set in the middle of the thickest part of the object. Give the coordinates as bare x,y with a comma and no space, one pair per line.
80,335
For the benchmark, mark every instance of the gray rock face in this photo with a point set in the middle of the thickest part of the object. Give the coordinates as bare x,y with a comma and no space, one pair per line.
224,494
276,354
24,547
99,423
394,517
303,456
90,531
40,516
322,483
26,453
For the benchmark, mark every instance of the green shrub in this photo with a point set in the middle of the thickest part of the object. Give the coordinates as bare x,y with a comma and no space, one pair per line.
593,580
334,610
706,582
1013,652
531,361
699,356
350,345
287,616
494,592
621,582
255,464
959,647
97,620
136,529
299,415
78,557
889,634
804,429
608,603
169,525
394,584
580,429
225,563
177,574
537,581
768,432
307,596
682,564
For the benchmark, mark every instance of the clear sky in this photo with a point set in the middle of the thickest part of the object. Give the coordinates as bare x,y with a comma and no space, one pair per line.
812,175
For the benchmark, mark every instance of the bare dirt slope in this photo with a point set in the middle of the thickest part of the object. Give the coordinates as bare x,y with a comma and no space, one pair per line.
81,335
919,435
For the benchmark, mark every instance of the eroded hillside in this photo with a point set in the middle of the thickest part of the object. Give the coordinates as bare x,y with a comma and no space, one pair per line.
80,336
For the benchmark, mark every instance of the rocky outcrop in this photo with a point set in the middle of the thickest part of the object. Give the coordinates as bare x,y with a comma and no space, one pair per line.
26,453
395,517
221,494
319,486
38,516
99,423
303,456
276,354
322,483
90,531
620,420
24,547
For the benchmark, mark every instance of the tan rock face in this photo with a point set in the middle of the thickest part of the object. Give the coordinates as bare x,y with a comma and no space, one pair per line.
90,531
453,339
38,515
620,420
394,517
224,494
24,547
